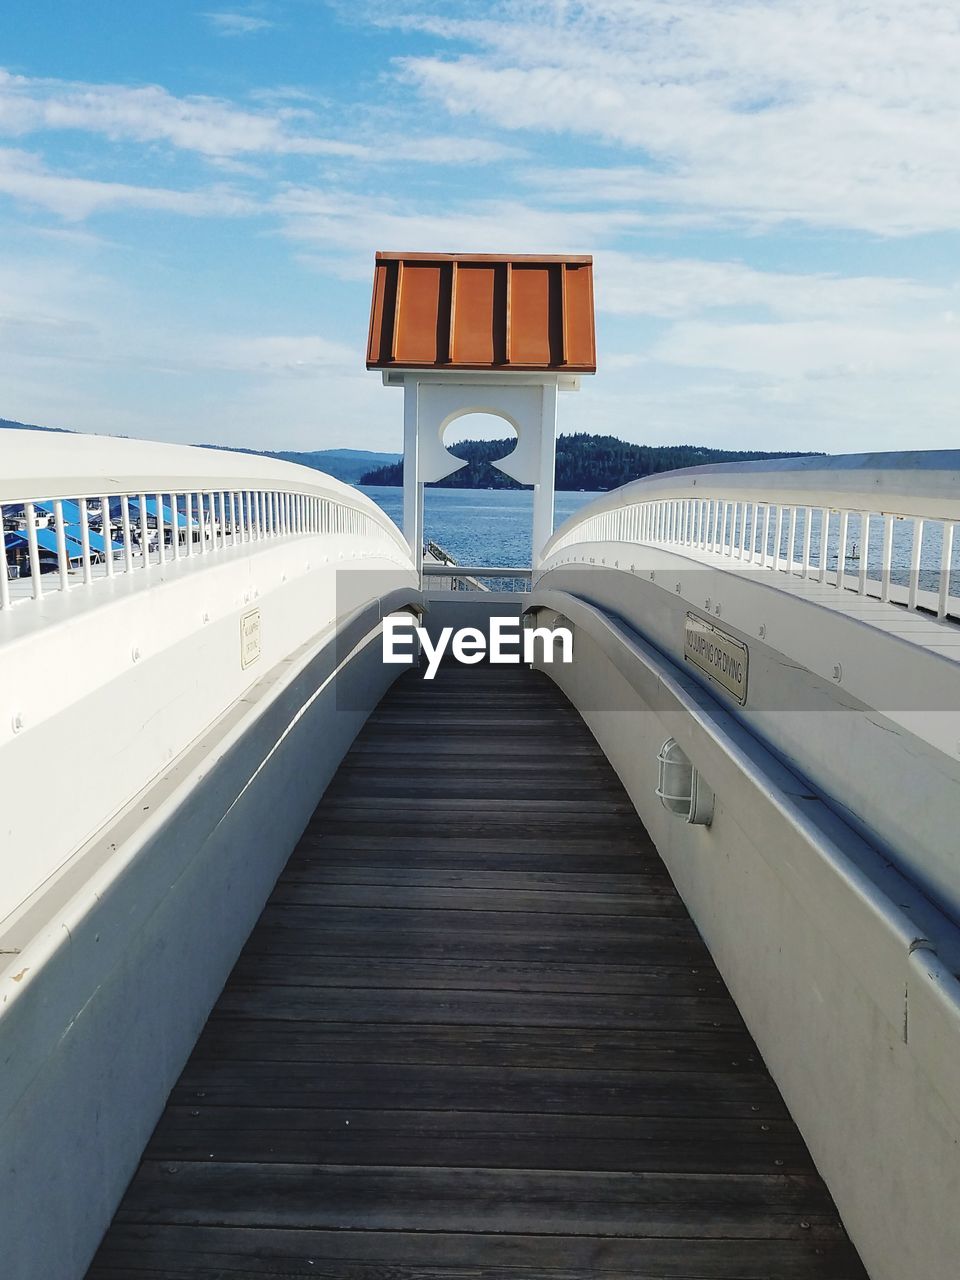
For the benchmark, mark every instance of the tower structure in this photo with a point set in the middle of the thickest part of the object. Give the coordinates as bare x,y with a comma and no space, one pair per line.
481,333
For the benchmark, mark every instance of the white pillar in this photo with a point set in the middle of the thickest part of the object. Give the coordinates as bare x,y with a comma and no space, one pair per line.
543,492
412,502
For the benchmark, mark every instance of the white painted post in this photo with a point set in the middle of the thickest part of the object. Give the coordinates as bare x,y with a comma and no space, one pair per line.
543,492
412,497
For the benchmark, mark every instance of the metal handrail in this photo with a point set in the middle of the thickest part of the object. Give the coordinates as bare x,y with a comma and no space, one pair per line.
793,516
138,504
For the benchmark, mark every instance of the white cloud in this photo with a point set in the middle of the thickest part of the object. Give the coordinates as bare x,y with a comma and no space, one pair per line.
819,349
349,228
284,357
216,128
676,287
25,178
237,24
149,113
827,112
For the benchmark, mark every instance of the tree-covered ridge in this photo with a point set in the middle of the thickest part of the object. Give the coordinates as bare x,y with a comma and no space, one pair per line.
583,462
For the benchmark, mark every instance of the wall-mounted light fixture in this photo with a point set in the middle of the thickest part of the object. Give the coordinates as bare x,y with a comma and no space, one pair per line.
681,788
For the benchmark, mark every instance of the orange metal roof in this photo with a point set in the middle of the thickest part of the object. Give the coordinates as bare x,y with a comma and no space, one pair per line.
482,311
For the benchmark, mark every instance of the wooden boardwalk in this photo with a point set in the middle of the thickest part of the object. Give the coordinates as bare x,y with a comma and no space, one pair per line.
475,1034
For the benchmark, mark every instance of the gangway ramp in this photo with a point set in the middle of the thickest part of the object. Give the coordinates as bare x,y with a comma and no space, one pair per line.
475,1033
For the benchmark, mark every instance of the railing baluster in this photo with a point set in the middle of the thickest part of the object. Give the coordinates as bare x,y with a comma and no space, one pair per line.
4,568
946,556
106,532
33,550
778,538
824,541
161,530
144,531
792,538
63,560
915,550
126,533
842,549
886,558
807,530
864,546
85,542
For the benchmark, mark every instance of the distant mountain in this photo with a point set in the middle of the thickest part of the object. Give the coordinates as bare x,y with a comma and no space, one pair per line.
583,462
342,464
29,426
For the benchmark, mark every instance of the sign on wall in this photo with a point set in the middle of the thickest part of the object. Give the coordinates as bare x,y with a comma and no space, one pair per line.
249,638
719,655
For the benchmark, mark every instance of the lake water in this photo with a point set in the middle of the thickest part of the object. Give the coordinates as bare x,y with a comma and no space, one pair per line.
478,526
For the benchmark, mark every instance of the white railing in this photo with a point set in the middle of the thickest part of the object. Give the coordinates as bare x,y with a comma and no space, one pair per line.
79,509
880,525
255,564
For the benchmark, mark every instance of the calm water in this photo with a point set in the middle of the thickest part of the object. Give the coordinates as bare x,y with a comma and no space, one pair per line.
478,526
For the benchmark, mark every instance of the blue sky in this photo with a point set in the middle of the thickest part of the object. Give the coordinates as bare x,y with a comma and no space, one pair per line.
191,196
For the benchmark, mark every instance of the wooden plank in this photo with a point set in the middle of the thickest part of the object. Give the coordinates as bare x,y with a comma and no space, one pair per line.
500,809
464,787
449,1139
361,1255
632,847
723,1049
442,897
475,1008
460,1088
647,886
451,944
536,926
385,1198
476,975
465,824
475,1034
344,1145
339,854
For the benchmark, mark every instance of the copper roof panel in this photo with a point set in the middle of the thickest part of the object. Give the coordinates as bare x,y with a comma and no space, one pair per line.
482,311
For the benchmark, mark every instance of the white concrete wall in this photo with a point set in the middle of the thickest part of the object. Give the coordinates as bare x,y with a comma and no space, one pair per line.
112,684
842,971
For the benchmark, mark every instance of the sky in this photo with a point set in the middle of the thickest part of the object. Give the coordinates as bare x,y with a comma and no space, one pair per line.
191,197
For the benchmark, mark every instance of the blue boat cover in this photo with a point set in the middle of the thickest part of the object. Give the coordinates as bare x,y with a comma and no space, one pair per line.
46,541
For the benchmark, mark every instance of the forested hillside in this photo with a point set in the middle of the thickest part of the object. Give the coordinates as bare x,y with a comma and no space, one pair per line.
583,462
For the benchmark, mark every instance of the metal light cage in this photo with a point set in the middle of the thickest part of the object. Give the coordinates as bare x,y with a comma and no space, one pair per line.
680,787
